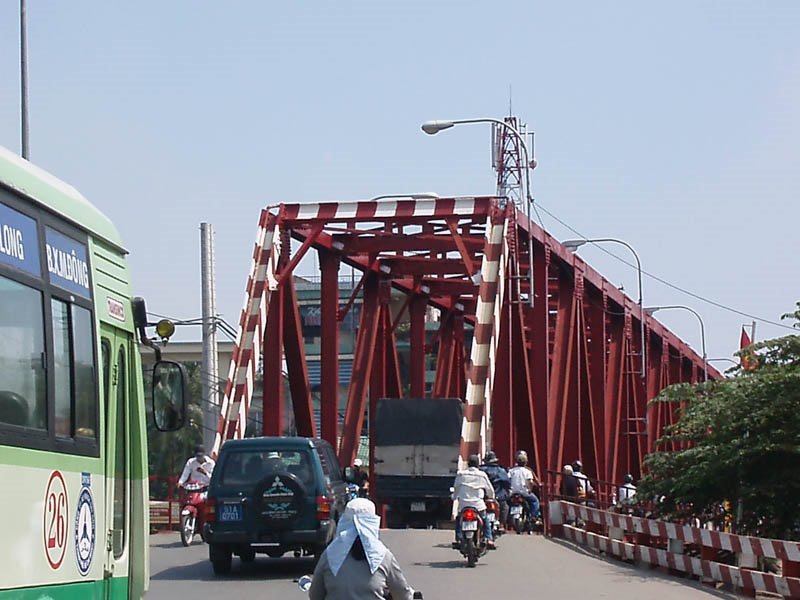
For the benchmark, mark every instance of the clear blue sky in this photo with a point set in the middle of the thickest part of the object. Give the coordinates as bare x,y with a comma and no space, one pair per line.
674,126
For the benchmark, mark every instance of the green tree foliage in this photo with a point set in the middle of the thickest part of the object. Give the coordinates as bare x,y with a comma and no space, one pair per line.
736,441
168,451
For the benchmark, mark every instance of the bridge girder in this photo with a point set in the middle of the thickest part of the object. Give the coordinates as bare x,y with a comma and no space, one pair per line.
561,378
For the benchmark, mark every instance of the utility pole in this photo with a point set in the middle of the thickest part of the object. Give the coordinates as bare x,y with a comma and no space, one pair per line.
23,69
210,367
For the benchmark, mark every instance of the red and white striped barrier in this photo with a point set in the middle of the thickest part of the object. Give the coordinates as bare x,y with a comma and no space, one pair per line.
330,212
486,335
789,587
247,351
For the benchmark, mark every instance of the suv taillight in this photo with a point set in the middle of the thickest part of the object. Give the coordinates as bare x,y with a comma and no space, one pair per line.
323,508
210,509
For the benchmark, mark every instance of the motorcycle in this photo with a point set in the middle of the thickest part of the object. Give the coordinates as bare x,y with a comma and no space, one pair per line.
304,583
353,491
493,516
192,511
519,513
471,542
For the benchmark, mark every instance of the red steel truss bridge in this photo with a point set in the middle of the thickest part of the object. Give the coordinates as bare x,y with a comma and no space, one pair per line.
555,364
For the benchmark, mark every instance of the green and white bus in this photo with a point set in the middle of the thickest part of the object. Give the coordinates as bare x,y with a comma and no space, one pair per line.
73,445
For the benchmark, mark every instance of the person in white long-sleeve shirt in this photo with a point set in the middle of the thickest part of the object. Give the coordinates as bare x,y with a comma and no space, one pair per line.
198,468
470,488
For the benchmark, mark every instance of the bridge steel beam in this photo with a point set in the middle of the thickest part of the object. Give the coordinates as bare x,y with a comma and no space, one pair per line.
329,346
555,370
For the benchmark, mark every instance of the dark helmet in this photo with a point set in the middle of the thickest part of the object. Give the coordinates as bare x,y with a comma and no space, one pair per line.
491,457
577,466
474,460
522,458
628,478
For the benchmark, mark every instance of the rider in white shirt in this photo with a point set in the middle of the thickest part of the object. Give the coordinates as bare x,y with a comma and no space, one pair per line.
585,489
523,481
470,488
198,468
626,493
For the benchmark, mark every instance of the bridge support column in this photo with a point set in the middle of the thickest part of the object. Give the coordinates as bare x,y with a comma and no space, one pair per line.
296,368
329,351
362,367
417,309
272,385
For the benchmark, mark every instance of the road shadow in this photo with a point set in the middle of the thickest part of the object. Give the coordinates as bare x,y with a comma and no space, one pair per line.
168,544
263,568
643,572
445,564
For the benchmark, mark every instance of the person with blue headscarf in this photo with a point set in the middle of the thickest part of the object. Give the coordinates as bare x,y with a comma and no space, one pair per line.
357,565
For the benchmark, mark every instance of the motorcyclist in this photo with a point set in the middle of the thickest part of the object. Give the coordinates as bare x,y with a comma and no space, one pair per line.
523,482
626,493
198,468
467,490
500,482
361,478
357,565
569,486
584,487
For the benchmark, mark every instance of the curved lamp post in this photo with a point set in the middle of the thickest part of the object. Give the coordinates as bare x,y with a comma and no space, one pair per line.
434,127
573,245
725,359
650,310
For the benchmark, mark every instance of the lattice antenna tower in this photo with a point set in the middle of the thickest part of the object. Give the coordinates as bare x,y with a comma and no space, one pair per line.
508,162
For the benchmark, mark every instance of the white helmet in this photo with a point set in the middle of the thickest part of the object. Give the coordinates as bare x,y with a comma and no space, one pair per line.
358,462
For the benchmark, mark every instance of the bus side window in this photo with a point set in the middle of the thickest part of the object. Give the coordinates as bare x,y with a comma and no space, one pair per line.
75,396
83,367
120,457
23,386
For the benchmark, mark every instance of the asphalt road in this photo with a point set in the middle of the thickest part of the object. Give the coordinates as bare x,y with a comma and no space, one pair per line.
522,567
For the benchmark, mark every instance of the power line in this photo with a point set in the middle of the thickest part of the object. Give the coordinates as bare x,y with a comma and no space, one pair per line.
667,283
220,323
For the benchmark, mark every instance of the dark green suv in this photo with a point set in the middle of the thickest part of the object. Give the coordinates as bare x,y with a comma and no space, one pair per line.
273,495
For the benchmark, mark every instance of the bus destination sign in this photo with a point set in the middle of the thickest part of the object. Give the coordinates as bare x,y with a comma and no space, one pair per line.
19,246
67,264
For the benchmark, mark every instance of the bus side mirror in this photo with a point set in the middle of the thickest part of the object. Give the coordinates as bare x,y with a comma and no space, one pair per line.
169,395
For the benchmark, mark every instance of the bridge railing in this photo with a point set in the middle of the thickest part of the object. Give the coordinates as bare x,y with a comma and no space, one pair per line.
750,564
165,506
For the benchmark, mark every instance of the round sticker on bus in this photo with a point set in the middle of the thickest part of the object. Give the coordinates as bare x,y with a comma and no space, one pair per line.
85,531
56,507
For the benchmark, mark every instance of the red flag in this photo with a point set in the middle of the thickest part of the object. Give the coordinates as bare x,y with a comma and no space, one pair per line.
748,362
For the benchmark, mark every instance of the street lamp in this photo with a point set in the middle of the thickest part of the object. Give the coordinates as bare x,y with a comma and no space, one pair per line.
650,310
23,74
722,358
573,245
434,127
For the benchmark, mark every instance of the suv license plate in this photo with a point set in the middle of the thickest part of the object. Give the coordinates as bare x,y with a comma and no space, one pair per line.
230,512
469,526
417,507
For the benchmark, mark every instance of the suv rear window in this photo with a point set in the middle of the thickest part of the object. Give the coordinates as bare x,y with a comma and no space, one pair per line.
330,466
248,467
